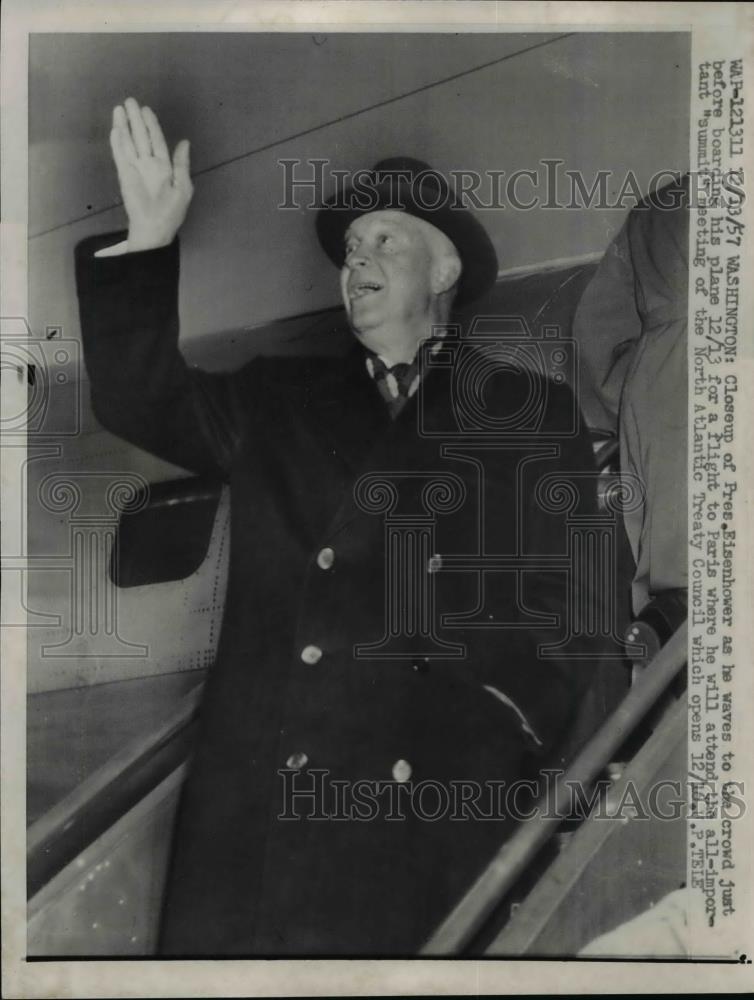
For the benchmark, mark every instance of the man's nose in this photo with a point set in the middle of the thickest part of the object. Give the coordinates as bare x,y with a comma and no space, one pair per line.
357,257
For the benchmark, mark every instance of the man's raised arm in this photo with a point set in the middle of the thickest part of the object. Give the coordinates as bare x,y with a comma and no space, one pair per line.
142,388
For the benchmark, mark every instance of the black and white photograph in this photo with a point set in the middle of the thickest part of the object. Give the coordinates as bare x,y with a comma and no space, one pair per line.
373,438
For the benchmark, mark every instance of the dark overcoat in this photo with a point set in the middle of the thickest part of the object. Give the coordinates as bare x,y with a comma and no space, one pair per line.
293,695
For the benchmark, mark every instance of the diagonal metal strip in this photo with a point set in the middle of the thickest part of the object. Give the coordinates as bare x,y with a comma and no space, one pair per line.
470,914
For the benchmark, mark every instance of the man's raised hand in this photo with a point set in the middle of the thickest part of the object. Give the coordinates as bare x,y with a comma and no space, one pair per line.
156,191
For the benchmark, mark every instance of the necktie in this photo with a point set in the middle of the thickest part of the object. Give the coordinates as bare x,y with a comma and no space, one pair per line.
397,383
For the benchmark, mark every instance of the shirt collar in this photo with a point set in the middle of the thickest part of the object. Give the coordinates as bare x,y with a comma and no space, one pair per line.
435,341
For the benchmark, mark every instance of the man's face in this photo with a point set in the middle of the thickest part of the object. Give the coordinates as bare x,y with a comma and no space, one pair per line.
386,280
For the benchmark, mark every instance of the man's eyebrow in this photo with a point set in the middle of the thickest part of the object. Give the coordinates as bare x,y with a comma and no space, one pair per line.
394,225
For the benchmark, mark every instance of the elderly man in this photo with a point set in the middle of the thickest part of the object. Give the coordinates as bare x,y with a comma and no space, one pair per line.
342,681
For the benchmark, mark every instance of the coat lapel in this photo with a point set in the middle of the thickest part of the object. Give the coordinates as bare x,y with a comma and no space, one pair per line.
357,427
359,431
347,406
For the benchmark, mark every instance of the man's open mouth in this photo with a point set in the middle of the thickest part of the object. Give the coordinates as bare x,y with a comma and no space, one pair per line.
358,291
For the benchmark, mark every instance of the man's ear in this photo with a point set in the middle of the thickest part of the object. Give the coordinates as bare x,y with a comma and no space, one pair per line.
446,271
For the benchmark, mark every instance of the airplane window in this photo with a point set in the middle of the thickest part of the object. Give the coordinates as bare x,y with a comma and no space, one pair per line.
167,538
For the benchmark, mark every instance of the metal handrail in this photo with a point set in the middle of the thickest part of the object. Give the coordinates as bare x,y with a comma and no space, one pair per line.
536,918
92,807
469,915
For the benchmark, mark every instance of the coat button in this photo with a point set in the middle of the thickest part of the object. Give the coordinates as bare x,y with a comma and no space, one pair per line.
296,761
325,558
401,770
311,654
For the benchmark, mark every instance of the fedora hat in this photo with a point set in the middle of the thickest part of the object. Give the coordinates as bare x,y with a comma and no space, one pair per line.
405,184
